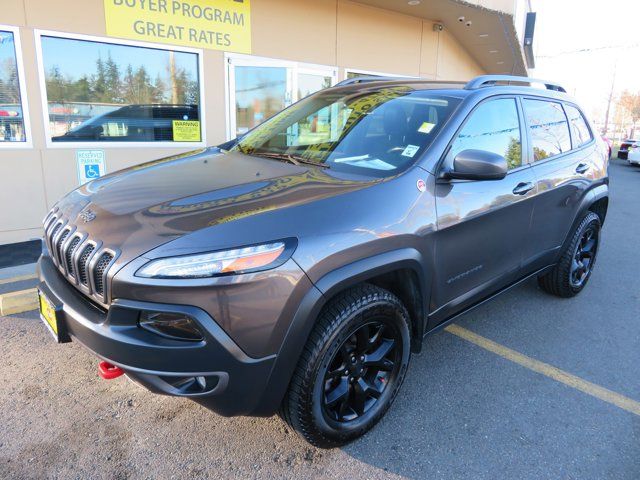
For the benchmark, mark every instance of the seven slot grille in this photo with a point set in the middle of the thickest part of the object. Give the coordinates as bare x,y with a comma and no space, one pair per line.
84,261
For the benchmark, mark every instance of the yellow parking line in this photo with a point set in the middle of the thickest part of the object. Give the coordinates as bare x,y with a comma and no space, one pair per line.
19,278
548,370
18,302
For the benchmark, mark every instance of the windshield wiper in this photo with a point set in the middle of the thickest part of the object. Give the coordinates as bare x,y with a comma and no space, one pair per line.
295,159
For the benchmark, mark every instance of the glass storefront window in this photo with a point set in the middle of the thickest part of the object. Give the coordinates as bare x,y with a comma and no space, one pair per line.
260,92
309,83
105,92
261,87
12,125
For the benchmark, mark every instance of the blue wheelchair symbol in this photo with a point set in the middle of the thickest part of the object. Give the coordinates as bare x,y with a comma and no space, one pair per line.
91,171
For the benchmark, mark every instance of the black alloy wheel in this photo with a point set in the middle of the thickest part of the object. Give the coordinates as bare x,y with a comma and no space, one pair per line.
351,367
575,265
360,371
584,257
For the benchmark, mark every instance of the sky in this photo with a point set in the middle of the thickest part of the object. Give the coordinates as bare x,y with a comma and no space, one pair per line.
76,58
579,44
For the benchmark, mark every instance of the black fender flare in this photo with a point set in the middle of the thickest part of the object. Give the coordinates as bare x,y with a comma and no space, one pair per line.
591,196
313,302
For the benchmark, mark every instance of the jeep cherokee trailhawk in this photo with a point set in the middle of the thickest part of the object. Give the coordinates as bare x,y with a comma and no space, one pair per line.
297,268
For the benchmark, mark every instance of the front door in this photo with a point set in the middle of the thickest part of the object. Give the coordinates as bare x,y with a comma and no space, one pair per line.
482,225
260,87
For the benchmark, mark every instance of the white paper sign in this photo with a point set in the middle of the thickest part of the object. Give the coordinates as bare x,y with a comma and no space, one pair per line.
410,150
90,165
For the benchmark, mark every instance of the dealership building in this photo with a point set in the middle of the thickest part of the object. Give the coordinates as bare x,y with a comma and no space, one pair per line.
93,86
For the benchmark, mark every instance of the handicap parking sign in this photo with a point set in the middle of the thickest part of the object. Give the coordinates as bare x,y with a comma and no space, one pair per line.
91,171
90,165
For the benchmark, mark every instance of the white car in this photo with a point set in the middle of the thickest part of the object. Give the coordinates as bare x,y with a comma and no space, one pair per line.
633,156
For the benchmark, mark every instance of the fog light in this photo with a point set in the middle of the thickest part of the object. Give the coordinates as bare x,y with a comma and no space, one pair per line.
170,325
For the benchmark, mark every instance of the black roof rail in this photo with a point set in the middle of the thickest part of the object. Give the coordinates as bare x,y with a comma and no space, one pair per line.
491,80
367,78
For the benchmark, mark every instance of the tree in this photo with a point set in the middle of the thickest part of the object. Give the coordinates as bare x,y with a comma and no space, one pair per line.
99,82
9,90
56,85
113,93
514,153
80,90
631,103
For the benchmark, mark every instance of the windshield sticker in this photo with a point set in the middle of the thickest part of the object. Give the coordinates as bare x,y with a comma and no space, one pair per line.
366,162
410,151
426,127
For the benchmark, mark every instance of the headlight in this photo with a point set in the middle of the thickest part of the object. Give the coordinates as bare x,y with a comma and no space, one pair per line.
202,265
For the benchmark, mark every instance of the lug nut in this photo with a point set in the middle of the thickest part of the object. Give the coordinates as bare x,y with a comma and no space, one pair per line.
346,372
352,379
362,358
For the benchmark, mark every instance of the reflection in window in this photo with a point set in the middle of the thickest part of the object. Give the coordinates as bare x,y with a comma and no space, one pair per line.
261,92
105,92
493,127
548,127
579,130
11,114
309,83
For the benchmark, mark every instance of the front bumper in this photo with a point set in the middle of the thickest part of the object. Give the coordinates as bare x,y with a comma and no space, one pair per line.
233,382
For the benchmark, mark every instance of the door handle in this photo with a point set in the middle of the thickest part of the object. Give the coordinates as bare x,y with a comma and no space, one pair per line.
522,188
581,168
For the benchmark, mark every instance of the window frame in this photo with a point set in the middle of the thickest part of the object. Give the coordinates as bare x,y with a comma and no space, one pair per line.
232,60
26,119
39,33
524,139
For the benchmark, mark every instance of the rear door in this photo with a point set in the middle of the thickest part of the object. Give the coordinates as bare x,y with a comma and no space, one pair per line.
561,149
482,224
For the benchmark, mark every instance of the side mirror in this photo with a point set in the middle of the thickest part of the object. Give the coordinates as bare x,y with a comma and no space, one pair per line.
478,165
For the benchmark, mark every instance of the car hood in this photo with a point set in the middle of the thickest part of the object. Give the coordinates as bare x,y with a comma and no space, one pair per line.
140,208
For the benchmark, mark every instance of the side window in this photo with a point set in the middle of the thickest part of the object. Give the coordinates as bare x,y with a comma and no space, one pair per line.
580,133
494,126
548,128
12,124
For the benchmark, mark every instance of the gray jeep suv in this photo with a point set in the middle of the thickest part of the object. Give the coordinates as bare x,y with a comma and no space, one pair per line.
297,268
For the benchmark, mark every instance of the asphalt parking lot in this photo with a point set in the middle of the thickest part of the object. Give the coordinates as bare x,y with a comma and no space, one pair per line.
464,412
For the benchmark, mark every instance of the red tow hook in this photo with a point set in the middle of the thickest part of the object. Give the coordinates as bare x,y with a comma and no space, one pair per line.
108,371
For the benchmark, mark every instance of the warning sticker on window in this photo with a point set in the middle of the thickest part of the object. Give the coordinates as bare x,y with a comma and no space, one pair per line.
426,127
186,131
410,150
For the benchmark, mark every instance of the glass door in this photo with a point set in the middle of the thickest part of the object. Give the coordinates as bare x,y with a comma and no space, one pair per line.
259,88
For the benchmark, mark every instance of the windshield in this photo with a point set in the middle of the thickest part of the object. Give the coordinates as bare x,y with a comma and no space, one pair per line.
377,132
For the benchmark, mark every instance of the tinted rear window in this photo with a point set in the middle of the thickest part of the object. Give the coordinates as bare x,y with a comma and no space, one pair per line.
548,128
580,132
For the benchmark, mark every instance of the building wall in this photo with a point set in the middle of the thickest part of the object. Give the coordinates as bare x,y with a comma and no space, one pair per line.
328,32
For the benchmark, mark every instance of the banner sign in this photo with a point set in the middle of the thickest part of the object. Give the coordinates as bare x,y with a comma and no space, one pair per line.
214,24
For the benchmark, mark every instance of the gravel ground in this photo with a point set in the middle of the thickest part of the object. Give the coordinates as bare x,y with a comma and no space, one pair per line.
462,413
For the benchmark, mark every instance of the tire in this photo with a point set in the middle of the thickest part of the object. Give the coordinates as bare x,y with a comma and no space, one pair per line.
316,405
562,281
